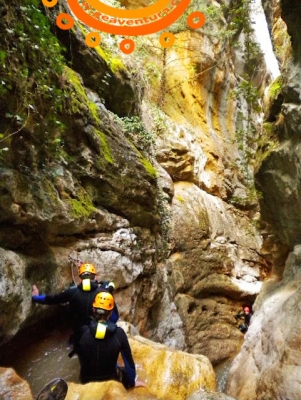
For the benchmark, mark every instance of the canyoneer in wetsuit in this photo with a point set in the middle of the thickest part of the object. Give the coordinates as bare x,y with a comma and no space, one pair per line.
80,299
101,343
246,314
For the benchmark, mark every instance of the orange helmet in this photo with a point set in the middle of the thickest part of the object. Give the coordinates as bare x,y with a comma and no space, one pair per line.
104,300
89,268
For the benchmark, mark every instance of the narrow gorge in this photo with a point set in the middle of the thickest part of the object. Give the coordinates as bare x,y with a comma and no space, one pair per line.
175,170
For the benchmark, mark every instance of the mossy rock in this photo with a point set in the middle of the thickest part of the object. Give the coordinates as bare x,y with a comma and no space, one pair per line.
102,72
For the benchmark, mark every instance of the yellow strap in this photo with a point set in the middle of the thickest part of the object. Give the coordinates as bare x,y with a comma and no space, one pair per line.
86,285
100,331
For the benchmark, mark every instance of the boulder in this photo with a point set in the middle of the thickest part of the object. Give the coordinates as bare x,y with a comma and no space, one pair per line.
204,395
172,374
168,374
12,387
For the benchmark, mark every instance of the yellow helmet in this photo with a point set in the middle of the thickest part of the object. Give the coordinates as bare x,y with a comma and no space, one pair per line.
104,300
89,268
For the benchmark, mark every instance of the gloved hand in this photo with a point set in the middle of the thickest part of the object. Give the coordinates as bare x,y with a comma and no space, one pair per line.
108,285
111,287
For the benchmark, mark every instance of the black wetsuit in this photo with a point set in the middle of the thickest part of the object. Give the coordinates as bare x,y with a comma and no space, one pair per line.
247,319
80,302
80,306
98,356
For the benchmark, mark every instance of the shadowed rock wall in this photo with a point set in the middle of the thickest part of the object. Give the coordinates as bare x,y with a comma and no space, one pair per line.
268,365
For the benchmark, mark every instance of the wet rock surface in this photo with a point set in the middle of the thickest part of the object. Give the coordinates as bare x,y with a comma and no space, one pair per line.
165,372
12,386
271,351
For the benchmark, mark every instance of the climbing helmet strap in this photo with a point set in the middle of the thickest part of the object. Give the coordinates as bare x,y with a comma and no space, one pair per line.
100,331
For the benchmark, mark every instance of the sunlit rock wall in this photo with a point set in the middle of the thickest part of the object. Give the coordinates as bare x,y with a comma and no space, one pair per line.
214,264
214,267
173,227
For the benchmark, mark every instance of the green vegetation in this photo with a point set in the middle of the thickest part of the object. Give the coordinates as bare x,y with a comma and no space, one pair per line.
135,131
31,57
31,64
247,93
115,64
75,93
197,5
276,87
152,72
148,167
82,206
78,101
251,197
267,142
105,147
141,139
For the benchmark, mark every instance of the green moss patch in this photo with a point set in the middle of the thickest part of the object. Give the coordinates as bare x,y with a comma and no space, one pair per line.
78,99
115,64
276,87
150,169
82,206
105,147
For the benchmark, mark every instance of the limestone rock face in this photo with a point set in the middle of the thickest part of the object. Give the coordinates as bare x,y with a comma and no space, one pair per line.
132,4
279,175
101,71
176,159
12,387
204,395
291,12
119,255
199,141
175,233
57,191
172,374
281,188
269,364
213,266
13,293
